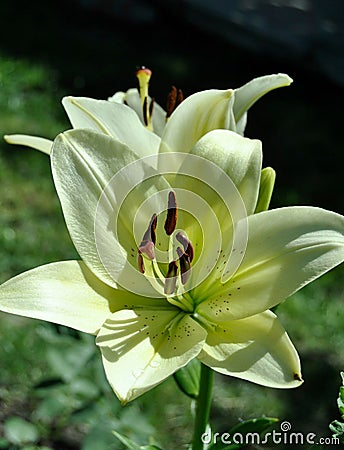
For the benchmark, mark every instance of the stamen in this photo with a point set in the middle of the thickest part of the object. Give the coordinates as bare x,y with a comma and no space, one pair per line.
174,99
180,97
140,262
171,278
151,106
171,101
149,238
143,75
145,111
185,266
186,243
172,214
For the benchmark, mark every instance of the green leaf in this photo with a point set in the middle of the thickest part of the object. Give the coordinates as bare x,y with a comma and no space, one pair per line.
68,362
49,383
19,431
257,426
100,437
335,426
340,401
187,378
4,443
132,445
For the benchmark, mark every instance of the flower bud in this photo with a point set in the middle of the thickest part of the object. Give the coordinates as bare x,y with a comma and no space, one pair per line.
267,182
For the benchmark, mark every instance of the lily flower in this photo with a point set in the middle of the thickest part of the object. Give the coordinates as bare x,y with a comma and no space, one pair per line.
177,129
175,264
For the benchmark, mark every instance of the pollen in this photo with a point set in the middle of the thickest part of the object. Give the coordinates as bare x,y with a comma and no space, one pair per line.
174,99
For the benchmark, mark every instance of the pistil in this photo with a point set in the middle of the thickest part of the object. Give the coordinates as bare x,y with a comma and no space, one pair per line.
143,75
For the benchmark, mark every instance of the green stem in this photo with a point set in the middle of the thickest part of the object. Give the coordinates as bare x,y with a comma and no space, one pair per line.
203,403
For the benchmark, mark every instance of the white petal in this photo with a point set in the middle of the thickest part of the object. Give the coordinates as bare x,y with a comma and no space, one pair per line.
256,349
247,95
221,188
143,347
38,143
113,119
65,292
240,158
197,115
100,214
287,249
132,99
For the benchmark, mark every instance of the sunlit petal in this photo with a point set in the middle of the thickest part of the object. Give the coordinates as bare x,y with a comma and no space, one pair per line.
256,349
38,143
287,249
113,119
247,95
84,164
240,158
141,348
195,116
132,99
65,292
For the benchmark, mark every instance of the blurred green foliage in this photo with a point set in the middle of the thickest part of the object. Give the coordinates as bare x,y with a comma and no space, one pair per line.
53,392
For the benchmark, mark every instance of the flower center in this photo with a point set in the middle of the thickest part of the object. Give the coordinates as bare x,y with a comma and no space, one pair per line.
170,277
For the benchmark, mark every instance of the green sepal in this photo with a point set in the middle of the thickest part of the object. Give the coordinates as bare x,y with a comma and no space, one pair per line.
267,182
258,425
188,377
132,445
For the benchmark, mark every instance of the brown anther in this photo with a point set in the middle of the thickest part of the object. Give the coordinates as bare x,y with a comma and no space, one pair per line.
174,99
145,111
140,262
171,101
171,278
186,243
151,106
185,265
149,239
180,97
172,214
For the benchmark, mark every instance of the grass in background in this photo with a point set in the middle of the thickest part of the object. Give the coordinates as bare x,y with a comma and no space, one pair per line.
51,378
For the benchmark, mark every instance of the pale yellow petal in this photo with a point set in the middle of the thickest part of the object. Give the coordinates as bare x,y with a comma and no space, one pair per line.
256,349
142,347
196,116
38,143
287,249
65,292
